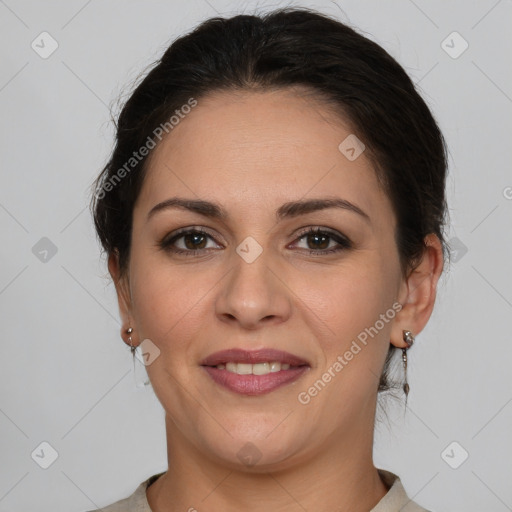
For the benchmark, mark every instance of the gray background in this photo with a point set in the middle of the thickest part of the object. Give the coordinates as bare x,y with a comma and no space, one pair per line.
66,378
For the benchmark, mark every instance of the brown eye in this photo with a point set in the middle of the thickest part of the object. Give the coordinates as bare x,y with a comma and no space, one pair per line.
193,241
319,241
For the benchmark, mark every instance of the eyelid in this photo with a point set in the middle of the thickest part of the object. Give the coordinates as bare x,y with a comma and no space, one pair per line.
178,233
326,230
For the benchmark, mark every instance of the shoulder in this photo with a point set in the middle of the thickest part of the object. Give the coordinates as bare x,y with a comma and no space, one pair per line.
396,498
136,502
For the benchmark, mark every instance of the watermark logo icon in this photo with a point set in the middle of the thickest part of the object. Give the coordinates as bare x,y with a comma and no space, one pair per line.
454,455
147,352
249,249
44,250
249,454
457,249
351,147
44,455
44,45
454,45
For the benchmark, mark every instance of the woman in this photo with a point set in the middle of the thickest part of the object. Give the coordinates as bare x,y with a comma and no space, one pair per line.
273,216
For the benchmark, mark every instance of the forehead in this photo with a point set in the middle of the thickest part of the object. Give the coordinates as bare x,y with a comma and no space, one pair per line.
258,149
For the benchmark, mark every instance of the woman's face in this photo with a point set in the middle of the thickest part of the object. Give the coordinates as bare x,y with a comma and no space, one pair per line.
257,281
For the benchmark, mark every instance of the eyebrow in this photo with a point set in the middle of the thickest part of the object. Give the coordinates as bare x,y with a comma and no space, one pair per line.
287,210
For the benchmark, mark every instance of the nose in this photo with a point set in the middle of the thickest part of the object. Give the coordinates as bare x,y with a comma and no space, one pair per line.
253,294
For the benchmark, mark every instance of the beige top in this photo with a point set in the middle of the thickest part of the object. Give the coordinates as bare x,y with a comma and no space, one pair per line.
395,500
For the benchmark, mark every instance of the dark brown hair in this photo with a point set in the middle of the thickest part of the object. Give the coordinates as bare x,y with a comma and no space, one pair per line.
286,48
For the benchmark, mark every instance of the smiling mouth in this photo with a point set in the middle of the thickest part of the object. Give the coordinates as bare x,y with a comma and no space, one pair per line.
254,372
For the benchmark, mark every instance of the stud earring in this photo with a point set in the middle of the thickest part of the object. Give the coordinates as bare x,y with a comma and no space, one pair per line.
409,340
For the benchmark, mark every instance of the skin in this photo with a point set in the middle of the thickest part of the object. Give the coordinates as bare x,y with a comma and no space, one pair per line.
251,152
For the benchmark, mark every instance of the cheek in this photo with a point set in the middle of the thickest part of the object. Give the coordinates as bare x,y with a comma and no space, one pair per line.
346,299
173,307
169,300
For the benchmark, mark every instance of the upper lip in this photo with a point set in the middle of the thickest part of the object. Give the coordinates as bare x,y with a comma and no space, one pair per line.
238,355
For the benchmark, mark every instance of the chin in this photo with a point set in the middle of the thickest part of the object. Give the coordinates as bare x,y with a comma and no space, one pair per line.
257,452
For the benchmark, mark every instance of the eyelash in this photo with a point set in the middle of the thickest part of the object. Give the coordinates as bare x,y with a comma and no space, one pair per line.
343,242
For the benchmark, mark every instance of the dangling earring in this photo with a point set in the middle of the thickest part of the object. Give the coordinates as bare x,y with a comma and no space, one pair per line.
129,332
409,340
140,376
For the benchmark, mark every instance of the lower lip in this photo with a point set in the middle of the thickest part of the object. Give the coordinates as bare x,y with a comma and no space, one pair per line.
255,384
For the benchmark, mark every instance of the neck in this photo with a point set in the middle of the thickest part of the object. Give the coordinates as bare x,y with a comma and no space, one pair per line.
339,476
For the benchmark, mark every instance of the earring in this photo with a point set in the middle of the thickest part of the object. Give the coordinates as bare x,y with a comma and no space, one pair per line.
140,379
129,332
409,340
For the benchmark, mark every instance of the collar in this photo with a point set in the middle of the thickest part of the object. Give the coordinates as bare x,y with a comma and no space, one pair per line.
395,500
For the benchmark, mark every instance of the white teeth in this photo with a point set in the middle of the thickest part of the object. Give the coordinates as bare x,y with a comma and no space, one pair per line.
261,368
231,367
244,369
254,369
275,367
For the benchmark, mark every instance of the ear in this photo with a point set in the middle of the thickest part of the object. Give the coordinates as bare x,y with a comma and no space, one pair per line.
418,292
122,285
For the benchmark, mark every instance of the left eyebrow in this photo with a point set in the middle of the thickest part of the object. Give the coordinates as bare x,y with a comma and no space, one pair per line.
287,210
296,208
